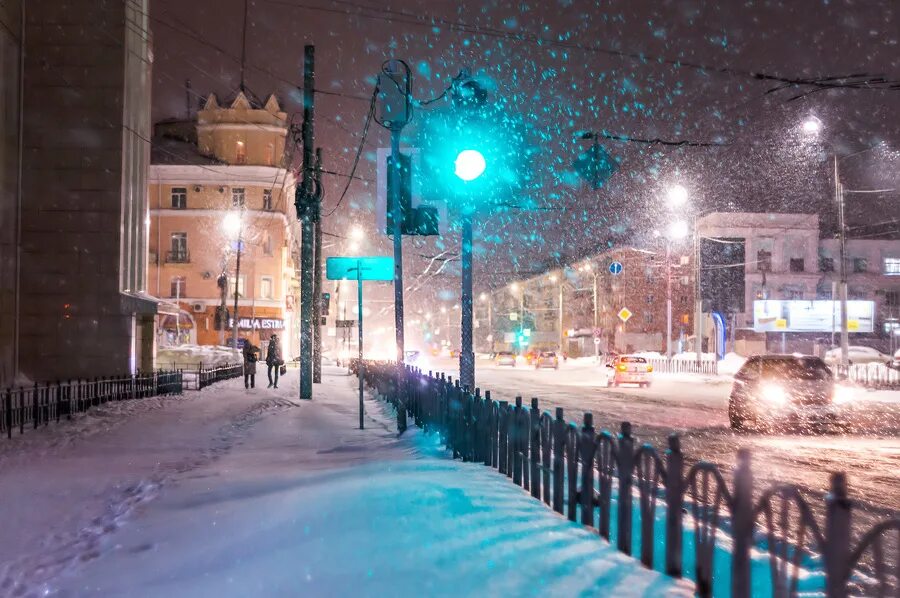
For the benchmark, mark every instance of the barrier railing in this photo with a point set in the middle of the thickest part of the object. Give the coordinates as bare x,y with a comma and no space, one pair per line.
870,375
208,376
684,366
39,404
589,477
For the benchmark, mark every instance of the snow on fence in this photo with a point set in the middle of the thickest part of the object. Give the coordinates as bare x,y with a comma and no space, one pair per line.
204,377
662,365
595,478
40,404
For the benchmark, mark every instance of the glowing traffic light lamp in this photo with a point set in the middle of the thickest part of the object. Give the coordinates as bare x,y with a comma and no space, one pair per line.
469,164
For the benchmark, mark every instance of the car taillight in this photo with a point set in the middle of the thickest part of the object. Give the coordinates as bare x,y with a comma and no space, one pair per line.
649,368
621,367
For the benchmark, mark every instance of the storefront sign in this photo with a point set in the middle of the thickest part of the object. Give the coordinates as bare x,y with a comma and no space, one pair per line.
258,323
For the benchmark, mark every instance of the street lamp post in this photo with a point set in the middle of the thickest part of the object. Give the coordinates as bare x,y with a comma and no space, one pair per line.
234,225
486,298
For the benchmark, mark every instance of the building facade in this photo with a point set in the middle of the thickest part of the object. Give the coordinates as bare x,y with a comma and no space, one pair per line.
229,166
76,93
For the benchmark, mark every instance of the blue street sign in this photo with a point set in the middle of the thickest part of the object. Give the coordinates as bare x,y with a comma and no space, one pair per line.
371,268
615,268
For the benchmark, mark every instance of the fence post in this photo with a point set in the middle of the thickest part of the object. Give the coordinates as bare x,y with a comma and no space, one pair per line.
559,461
535,449
674,488
587,446
837,537
626,465
515,442
9,413
503,441
742,522
572,473
21,410
35,402
487,416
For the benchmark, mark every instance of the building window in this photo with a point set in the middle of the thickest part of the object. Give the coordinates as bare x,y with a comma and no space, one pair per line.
764,260
648,318
240,153
650,298
179,198
239,283
892,298
860,264
179,287
267,199
892,266
266,288
237,197
270,154
826,264
178,252
796,264
267,243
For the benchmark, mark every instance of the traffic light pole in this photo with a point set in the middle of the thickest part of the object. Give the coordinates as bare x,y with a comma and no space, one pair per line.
466,354
396,229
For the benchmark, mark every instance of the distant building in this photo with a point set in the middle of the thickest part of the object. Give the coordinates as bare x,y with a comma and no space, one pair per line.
230,162
74,202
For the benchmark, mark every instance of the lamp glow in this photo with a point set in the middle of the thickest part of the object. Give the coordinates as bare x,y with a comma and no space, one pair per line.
677,196
469,164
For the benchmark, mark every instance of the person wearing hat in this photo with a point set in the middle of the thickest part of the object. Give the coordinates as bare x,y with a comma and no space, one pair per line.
273,360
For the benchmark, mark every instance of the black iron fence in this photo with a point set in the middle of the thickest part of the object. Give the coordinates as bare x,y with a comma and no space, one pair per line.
645,500
208,376
870,375
33,406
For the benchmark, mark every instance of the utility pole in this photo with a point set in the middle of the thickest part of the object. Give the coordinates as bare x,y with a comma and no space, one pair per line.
306,201
317,282
237,277
839,197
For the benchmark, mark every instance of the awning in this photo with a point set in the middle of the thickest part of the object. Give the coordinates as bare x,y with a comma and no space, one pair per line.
184,321
142,303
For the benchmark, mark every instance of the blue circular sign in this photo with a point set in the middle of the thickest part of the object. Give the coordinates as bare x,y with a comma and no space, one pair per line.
615,268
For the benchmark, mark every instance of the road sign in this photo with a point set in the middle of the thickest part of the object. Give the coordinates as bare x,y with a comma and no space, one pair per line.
597,340
598,332
513,316
625,314
344,323
370,268
615,268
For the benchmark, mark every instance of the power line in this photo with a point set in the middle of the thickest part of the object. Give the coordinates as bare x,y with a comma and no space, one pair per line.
362,142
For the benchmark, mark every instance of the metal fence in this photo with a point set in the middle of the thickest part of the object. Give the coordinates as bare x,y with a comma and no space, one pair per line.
208,376
684,366
870,375
596,479
33,406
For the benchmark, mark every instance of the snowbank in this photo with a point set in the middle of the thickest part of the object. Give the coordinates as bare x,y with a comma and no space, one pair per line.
192,356
731,363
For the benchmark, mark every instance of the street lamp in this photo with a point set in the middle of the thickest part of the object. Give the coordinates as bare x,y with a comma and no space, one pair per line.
677,196
233,225
677,230
469,165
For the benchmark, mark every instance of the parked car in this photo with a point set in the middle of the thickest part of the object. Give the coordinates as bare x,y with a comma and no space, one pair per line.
546,359
628,369
769,389
505,358
857,354
895,362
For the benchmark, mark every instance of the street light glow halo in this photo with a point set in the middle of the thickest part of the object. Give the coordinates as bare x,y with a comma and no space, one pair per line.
469,164
812,125
232,223
677,196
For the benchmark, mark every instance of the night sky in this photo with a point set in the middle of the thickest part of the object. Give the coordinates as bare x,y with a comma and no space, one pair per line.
566,66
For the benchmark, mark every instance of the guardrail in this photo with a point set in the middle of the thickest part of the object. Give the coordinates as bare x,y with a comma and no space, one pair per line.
591,477
684,366
33,406
208,376
870,375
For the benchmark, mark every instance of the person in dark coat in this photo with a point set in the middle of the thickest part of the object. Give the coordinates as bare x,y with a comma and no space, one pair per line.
273,359
251,355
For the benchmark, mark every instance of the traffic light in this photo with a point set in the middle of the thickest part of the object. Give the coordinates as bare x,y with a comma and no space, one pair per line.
326,303
522,340
221,318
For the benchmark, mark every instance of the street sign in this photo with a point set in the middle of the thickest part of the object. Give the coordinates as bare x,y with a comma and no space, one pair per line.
526,332
344,323
624,314
615,268
598,332
370,268
597,340
513,316
595,166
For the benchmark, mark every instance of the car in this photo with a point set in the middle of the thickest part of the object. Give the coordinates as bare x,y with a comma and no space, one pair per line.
629,369
505,358
857,354
769,389
546,359
895,362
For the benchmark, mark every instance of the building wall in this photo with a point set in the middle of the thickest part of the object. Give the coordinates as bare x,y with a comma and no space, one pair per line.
10,112
86,71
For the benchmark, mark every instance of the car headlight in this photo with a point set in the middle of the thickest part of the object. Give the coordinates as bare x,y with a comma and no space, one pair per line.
773,393
843,394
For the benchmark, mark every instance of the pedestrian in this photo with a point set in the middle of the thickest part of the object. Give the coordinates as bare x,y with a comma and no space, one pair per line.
251,355
273,360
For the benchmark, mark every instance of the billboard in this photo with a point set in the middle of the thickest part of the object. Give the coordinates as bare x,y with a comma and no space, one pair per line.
797,315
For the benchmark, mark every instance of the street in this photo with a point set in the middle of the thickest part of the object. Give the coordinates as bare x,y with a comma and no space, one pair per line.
868,449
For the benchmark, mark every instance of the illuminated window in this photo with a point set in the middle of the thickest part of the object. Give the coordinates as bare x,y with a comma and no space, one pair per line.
266,288
270,154
892,266
179,198
240,153
240,285
237,197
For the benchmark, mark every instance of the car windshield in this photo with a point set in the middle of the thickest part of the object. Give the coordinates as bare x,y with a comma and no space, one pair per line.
548,354
633,360
795,369
504,354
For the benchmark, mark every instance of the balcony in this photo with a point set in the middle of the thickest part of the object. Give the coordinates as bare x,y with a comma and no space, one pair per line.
182,256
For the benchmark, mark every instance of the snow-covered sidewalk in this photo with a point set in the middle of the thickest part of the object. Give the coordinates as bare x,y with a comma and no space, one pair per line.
229,493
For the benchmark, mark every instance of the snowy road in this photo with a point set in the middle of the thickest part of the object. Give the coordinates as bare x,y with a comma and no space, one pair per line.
696,408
